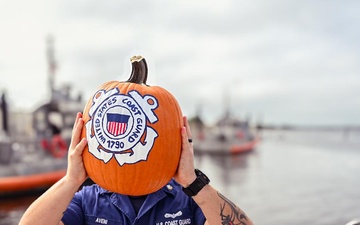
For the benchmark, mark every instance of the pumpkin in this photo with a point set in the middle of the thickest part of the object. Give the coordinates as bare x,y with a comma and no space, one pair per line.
133,133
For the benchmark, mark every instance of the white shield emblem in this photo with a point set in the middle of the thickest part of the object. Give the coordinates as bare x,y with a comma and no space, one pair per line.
117,123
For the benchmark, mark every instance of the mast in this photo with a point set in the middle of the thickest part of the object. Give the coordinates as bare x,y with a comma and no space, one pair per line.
4,112
52,65
226,100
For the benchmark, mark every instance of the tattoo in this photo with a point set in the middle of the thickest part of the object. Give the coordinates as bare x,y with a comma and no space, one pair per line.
234,216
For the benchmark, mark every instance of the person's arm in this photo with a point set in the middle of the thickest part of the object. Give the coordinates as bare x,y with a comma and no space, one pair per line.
48,209
216,207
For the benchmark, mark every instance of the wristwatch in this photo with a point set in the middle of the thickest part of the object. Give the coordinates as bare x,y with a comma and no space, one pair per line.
200,181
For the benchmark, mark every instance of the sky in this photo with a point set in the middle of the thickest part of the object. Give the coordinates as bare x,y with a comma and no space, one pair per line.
274,62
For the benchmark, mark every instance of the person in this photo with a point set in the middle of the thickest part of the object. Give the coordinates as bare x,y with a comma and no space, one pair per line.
65,203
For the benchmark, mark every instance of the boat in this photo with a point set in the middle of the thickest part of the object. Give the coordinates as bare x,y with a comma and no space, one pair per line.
227,136
33,145
25,165
20,184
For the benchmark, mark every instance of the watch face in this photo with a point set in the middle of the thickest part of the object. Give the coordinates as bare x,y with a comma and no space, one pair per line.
198,172
202,176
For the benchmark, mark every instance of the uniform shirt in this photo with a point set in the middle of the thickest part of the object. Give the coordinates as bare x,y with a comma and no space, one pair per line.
167,206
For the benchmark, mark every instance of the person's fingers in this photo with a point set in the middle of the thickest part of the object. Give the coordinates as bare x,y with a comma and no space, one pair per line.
76,170
81,146
185,171
184,137
78,115
188,131
75,139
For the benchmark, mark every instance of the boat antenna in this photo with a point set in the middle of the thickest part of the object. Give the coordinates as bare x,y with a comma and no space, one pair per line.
4,112
227,103
52,65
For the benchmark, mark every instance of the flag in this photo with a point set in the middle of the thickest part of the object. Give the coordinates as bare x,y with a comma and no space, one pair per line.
117,123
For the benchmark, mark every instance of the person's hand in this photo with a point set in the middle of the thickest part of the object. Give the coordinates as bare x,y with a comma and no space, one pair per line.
185,173
76,171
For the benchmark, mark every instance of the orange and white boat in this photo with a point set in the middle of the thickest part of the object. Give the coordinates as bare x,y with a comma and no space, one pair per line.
228,136
244,147
24,168
33,146
24,183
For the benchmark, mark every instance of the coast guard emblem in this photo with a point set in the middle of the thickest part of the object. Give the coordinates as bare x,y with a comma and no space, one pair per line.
117,124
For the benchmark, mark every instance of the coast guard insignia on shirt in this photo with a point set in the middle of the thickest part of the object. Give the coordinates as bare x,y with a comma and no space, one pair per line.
117,124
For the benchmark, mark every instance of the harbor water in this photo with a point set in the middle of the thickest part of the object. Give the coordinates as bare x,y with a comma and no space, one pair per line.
292,177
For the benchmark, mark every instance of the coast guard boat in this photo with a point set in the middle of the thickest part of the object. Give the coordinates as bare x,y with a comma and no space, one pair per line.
33,146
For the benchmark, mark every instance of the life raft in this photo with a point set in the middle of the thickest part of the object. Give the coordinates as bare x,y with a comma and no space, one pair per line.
57,146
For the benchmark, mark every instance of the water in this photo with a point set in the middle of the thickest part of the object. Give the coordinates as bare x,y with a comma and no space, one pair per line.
292,178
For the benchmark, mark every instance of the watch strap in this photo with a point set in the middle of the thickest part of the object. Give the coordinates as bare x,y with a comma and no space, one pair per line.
198,184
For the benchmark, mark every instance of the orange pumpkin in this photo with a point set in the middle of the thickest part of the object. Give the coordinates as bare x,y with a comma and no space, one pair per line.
133,133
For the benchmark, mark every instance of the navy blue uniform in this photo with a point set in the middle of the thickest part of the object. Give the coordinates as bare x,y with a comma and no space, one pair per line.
167,206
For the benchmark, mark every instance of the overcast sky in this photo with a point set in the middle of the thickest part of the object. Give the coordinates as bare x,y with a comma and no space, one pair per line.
282,62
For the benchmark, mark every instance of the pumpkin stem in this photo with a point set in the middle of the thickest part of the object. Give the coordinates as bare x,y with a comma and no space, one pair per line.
139,70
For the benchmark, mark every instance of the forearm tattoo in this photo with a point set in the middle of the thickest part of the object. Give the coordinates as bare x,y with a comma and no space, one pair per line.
234,216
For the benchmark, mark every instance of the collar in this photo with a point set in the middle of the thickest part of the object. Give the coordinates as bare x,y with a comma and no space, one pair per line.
170,188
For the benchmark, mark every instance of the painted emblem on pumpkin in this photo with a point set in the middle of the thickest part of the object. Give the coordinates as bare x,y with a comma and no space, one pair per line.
117,124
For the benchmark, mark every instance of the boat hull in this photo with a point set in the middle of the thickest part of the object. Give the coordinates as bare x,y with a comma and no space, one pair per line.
14,184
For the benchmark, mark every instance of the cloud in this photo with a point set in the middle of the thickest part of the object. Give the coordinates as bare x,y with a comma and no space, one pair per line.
288,62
